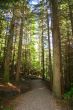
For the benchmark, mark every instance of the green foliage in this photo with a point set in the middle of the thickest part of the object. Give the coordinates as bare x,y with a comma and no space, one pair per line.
69,94
7,108
2,107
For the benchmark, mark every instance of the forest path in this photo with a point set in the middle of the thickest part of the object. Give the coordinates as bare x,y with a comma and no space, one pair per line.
39,98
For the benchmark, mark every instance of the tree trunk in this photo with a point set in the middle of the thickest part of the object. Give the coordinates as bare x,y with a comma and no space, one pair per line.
20,47
8,55
50,61
42,48
57,51
71,15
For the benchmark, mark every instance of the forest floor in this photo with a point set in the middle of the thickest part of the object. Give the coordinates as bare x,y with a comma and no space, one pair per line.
38,98
29,94
9,91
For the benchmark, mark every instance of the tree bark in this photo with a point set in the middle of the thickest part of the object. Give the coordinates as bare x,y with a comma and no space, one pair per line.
42,48
57,73
49,48
8,55
20,47
71,15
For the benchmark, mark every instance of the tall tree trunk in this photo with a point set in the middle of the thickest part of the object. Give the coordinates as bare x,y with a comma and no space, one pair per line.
13,60
49,47
8,55
68,61
57,50
42,48
6,39
71,14
20,46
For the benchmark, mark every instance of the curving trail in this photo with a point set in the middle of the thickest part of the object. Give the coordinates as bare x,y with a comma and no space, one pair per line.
39,98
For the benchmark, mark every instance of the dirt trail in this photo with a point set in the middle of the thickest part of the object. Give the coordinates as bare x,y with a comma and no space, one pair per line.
39,98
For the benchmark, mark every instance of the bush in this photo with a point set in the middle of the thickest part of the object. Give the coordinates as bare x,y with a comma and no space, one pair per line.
69,95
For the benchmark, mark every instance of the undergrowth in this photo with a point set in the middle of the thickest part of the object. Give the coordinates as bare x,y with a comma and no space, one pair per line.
69,95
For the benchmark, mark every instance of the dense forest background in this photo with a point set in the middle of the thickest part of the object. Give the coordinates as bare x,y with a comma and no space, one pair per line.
37,40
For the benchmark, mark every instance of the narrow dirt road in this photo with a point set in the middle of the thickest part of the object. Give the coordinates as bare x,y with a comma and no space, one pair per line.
39,98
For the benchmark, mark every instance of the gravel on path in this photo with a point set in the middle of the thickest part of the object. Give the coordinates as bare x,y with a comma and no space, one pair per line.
39,98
